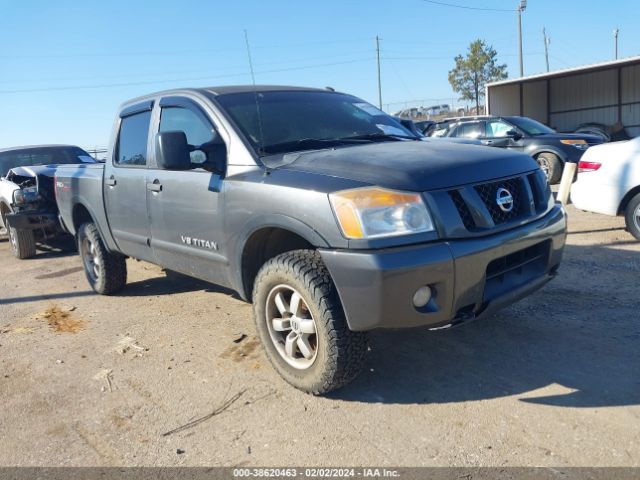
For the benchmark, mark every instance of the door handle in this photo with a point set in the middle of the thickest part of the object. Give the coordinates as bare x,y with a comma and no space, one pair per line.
487,142
154,187
111,181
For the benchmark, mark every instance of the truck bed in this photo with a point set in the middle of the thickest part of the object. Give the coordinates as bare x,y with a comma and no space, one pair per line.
82,185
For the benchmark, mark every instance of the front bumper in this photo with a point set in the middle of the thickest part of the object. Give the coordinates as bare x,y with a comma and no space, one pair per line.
470,278
32,221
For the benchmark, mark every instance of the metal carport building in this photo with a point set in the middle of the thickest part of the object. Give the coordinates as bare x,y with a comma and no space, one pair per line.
607,93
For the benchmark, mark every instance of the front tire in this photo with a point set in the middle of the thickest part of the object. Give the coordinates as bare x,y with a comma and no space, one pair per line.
23,243
301,323
551,165
105,271
632,216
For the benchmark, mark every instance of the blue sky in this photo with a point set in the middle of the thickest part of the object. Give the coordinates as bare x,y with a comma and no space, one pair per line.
65,66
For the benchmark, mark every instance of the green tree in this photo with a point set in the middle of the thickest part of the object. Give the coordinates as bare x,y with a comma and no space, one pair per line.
474,71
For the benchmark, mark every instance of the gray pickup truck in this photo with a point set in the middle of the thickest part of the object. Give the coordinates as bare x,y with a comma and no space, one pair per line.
323,211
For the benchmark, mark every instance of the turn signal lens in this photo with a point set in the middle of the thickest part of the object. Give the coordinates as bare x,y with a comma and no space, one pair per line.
374,212
580,144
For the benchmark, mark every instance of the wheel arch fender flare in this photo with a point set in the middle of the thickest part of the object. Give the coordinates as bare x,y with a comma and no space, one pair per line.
627,198
106,237
256,224
548,149
4,207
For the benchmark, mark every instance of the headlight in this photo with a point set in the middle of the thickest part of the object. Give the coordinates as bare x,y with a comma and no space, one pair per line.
373,212
18,197
25,195
579,144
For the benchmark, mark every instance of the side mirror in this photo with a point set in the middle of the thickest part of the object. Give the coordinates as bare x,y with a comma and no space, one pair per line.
514,134
216,155
172,151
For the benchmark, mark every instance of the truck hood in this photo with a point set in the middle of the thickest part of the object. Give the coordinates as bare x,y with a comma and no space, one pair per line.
32,171
413,166
40,176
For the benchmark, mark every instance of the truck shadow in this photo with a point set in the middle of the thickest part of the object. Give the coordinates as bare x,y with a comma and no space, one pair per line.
170,283
57,248
573,344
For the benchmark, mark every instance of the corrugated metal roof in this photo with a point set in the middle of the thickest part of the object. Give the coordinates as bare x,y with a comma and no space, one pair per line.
581,69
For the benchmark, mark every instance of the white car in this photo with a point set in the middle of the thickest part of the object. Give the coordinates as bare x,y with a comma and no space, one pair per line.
609,182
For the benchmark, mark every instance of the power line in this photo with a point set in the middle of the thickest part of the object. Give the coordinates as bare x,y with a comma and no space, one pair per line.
451,57
169,53
152,82
466,7
280,61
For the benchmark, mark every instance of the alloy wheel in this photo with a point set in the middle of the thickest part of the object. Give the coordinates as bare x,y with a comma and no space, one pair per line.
544,166
91,259
291,327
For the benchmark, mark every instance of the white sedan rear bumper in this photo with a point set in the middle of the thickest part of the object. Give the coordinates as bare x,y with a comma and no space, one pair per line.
596,197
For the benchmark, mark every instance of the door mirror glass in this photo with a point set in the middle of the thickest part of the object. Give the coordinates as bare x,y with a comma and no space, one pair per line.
214,155
173,151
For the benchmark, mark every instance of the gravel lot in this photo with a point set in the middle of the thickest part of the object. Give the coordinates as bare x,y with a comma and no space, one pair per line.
97,381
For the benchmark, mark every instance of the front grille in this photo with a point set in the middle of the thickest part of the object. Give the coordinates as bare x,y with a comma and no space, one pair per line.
478,206
488,193
463,209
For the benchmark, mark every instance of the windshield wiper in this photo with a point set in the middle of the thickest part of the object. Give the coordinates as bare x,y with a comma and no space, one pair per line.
308,144
380,136
316,143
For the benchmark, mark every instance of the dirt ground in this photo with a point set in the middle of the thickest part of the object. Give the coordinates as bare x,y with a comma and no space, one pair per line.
154,376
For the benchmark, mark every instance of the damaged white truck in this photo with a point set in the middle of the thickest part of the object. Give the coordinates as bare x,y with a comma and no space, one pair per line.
28,210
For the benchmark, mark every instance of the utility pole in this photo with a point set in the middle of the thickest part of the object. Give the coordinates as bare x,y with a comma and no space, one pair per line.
379,77
521,8
547,42
615,36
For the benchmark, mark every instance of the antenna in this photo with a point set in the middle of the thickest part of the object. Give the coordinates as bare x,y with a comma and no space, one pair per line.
255,94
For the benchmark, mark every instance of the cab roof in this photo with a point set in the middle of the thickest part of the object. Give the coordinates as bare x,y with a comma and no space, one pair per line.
28,147
224,90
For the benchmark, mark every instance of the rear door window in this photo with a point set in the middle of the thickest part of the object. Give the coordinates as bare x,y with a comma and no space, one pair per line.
132,141
470,130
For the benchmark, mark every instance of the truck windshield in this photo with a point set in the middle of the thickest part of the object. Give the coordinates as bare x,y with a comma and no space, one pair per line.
287,121
530,126
29,157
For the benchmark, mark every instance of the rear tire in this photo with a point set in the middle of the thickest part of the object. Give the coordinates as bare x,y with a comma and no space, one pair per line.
632,216
23,243
323,354
106,272
551,166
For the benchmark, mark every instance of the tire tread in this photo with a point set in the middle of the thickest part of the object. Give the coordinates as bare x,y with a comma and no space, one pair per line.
114,265
26,243
628,216
346,349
